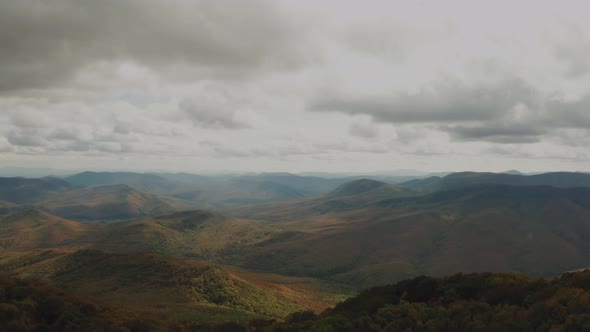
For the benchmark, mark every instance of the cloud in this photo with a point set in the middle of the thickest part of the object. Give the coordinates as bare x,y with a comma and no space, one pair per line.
446,101
5,146
25,138
236,152
568,113
496,133
47,43
364,130
289,85
574,54
209,114
64,134
62,127
575,59
509,111
28,119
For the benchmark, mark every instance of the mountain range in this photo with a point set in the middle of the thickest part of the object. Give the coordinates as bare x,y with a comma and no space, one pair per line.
265,246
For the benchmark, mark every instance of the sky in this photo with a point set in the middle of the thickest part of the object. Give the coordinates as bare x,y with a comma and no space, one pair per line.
288,85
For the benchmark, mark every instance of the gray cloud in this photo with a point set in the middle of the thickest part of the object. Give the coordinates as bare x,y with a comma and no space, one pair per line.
575,56
5,146
63,134
25,138
444,102
207,113
233,152
27,119
380,41
290,85
44,43
365,130
568,113
510,111
496,133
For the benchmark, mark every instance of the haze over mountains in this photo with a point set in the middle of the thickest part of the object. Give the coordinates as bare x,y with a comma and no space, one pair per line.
535,230
299,242
240,243
285,165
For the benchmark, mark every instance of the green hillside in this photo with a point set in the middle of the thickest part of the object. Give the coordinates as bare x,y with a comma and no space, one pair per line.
35,229
349,196
463,302
146,281
34,306
111,202
195,234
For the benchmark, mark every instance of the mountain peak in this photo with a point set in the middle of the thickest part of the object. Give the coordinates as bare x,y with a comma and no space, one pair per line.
513,172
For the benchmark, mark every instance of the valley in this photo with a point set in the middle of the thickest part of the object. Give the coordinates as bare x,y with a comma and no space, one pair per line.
124,247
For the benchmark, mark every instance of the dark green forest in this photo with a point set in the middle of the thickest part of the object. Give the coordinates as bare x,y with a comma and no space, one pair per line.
462,302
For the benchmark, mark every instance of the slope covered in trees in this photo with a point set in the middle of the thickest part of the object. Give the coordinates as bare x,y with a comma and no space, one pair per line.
537,230
462,302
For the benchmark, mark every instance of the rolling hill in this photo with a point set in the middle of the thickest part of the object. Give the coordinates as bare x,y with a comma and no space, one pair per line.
366,186
149,182
238,192
363,233
305,185
212,191
195,234
181,289
192,234
26,191
538,230
33,306
8,207
216,191
111,202
463,302
85,203
466,302
35,229
348,196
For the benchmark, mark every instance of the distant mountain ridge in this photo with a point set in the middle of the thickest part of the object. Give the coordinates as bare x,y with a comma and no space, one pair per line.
538,230
23,190
85,203
219,192
363,186
464,179
139,180
349,196
262,246
363,232
111,202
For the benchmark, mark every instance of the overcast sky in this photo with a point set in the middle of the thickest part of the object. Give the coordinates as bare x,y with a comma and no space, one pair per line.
280,85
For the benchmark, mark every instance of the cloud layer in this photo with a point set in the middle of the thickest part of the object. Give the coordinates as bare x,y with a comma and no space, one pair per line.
47,42
220,85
